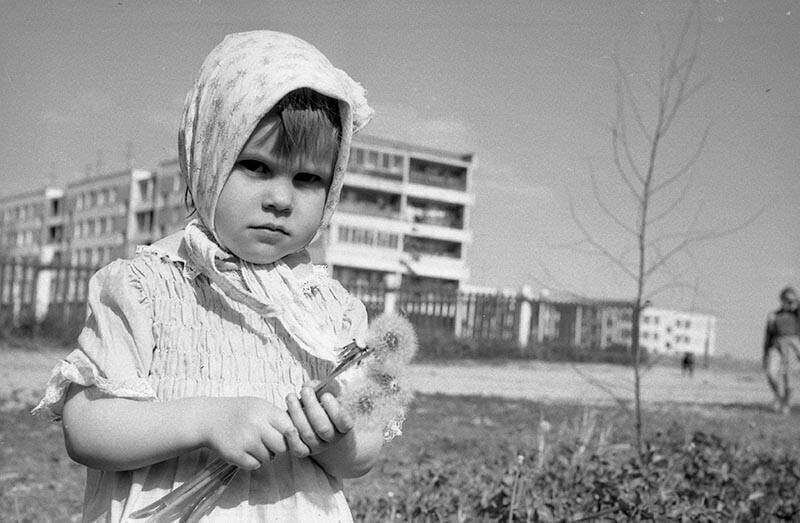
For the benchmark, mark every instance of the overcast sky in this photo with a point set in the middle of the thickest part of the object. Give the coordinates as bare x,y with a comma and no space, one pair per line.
526,86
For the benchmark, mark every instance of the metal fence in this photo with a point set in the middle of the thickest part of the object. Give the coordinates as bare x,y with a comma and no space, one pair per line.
43,298
51,299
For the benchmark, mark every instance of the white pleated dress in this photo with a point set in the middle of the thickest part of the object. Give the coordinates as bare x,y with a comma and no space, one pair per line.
158,331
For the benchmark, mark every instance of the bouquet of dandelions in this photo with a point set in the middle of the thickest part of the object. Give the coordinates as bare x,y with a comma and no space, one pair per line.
373,394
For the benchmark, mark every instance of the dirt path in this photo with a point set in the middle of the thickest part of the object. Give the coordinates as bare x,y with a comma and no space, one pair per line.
591,383
29,369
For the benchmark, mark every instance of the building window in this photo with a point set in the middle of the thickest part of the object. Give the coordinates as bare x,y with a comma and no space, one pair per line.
55,234
360,236
373,203
144,221
376,162
431,247
438,174
144,189
435,213
351,277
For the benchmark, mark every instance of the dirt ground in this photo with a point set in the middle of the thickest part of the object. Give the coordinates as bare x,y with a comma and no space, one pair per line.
28,370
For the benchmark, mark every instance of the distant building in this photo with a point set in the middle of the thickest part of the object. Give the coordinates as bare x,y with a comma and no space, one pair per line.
22,224
664,331
404,212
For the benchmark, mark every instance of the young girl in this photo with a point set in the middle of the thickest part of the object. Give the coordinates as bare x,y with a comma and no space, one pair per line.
209,341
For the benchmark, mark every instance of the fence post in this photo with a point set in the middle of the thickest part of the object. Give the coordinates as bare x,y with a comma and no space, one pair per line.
578,324
44,276
525,298
391,282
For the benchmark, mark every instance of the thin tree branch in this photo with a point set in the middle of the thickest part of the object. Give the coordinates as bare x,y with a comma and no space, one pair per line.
686,166
637,115
601,203
704,236
590,239
615,145
674,204
622,140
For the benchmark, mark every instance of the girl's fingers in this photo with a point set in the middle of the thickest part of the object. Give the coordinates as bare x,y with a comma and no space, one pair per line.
247,461
260,453
301,423
317,417
273,440
338,416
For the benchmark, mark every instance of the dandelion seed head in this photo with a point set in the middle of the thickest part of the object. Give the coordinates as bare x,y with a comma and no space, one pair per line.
392,339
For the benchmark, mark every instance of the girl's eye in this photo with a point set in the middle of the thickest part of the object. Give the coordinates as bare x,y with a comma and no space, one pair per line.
254,166
307,178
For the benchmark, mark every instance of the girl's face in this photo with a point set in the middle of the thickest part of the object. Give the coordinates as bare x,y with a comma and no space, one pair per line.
271,206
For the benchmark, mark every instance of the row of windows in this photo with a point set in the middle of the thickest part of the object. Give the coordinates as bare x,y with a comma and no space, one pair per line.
21,212
370,160
369,237
93,227
23,238
95,198
94,257
654,335
411,244
646,319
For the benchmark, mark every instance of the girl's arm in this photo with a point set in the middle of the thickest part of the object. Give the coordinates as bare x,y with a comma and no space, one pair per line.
123,434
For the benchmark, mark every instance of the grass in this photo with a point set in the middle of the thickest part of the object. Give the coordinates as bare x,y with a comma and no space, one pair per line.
459,460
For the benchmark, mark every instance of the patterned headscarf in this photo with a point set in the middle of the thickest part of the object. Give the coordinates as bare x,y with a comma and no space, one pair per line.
239,82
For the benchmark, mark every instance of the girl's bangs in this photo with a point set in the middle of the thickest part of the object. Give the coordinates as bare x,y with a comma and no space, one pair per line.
310,126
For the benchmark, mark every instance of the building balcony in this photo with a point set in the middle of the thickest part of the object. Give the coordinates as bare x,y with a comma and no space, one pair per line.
367,181
376,172
433,266
440,232
425,172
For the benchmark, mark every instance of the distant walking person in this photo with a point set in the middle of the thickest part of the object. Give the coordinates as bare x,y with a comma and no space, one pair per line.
782,336
687,364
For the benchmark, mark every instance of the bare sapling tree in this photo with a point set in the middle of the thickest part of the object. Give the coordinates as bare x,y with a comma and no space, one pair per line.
656,232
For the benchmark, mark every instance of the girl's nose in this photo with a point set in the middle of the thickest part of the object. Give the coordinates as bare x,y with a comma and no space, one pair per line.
278,194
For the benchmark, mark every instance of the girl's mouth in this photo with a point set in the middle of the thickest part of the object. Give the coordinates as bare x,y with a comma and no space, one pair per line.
271,228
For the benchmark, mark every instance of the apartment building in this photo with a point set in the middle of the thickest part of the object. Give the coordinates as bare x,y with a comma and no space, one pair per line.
109,215
22,219
404,214
670,331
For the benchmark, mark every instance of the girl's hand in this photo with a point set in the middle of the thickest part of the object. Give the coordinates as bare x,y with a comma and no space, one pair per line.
320,423
247,431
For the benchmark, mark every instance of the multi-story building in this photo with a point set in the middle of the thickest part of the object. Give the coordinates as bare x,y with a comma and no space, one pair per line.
669,331
22,219
404,212
170,212
109,215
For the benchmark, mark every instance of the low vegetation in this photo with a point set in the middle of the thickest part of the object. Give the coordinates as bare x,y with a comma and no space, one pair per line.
476,459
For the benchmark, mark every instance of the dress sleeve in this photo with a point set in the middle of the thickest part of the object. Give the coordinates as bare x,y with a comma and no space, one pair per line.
115,346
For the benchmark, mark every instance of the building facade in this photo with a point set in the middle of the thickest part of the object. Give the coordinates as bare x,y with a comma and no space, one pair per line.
403,214
663,331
